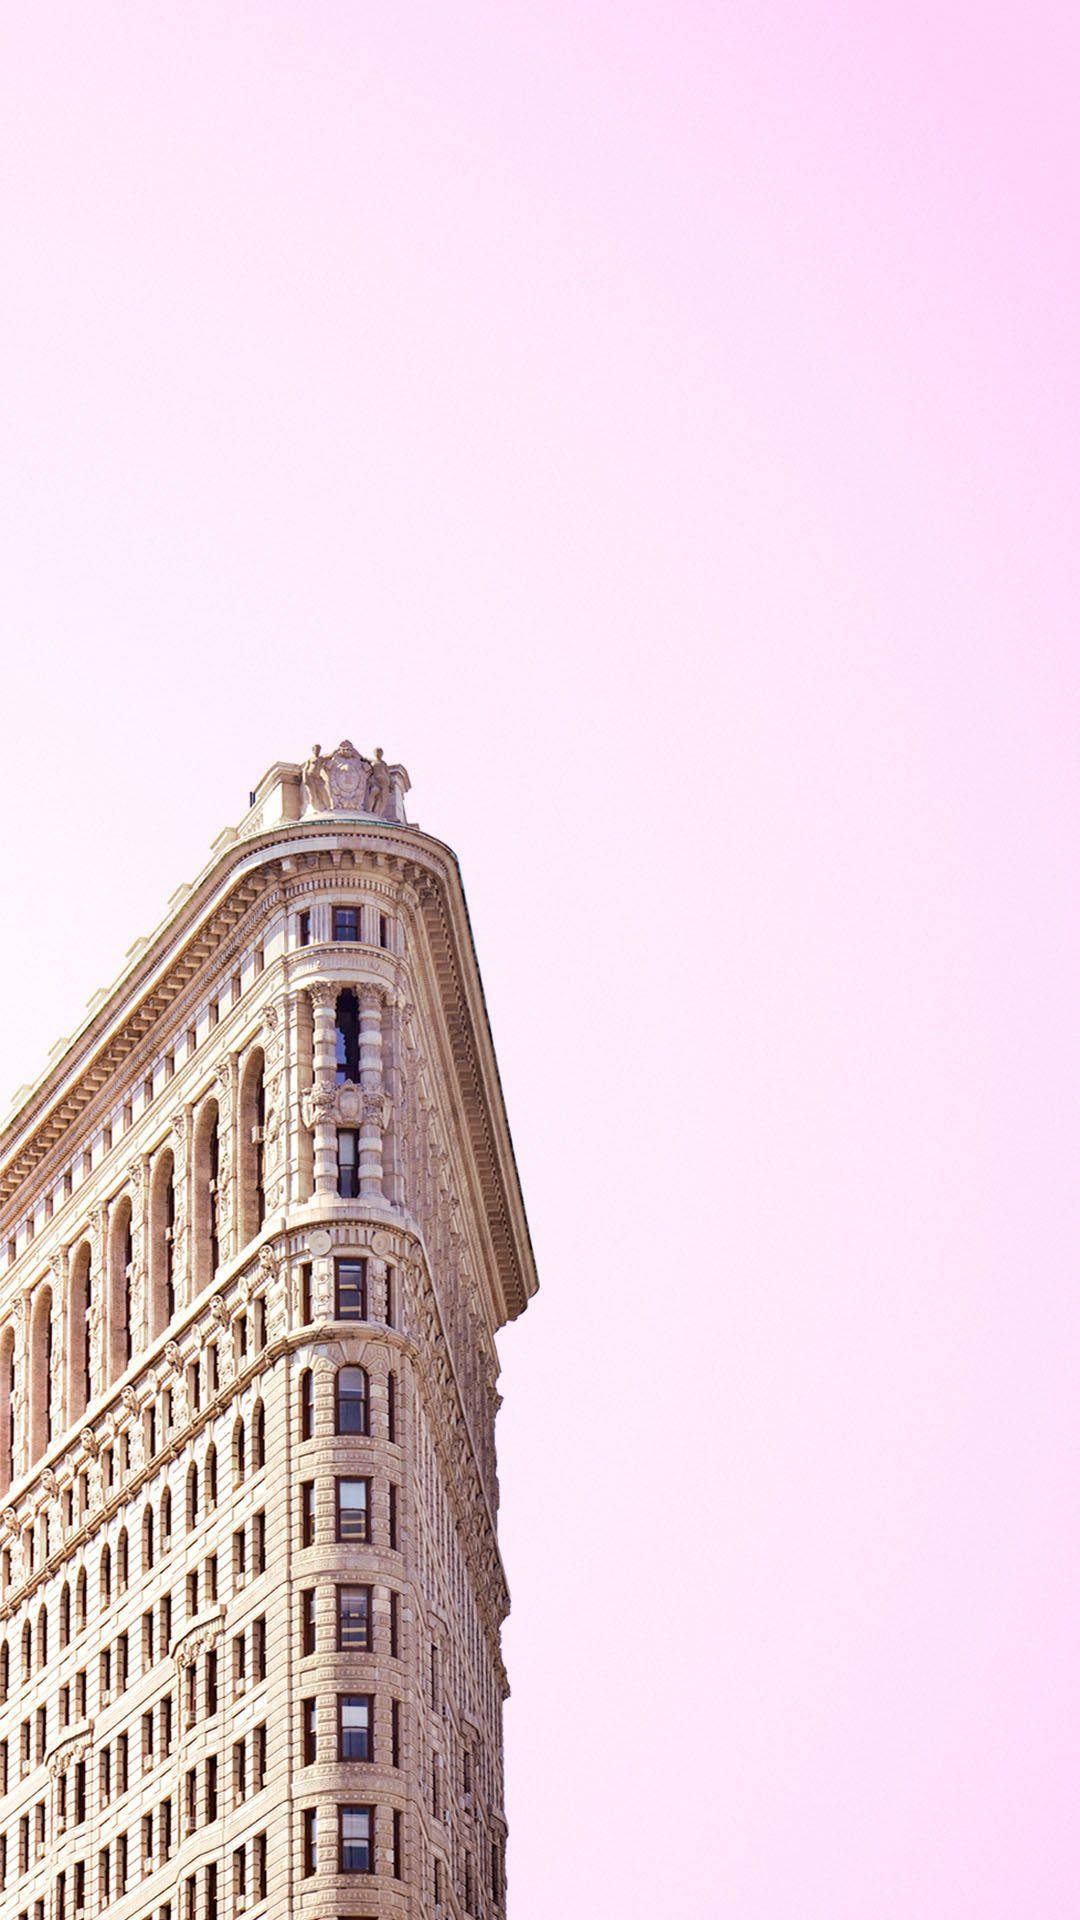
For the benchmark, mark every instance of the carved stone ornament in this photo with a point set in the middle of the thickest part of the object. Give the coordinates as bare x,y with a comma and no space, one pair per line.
90,1441
345,782
219,1310
9,1522
174,1357
202,1640
130,1400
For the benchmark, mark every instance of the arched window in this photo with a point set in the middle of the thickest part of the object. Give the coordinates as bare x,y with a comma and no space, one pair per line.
166,1521
239,1458
80,1600
252,1133
207,1162
105,1577
352,1400
211,1476
258,1437
162,1250
41,1407
122,1561
192,1502
7,1402
80,1299
348,1038
147,1539
27,1651
5,1672
42,1636
307,1404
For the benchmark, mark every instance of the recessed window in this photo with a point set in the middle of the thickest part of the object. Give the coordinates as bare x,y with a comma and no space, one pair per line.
353,1504
354,1619
307,1404
346,923
351,1286
309,1746
307,1513
355,1719
348,1164
303,929
352,1400
307,1620
356,1853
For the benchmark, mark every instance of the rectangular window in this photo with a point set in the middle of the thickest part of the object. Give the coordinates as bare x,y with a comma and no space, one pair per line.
348,1164
211,1684
309,1854
122,1763
258,1649
260,1874
165,1830
210,1787
351,1285
191,1800
259,1543
239,1557
354,1619
303,929
393,1518
384,930
395,1625
305,1292
259,1739
212,1579
398,1853
352,1510
307,1620
239,1756
239,1877
307,1513
356,1853
355,1719
391,1407
395,1733
346,923
309,1750
239,1663
210,1881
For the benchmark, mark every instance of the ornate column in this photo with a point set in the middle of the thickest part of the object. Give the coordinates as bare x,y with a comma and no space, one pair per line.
58,1344
20,1399
371,1081
274,1101
138,1175
319,1115
299,1170
181,1249
226,1198
98,1283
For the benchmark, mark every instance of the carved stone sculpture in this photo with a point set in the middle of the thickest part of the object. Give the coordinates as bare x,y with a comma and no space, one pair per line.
346,782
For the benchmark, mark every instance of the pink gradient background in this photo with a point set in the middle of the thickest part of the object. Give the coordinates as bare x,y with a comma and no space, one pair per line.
657,425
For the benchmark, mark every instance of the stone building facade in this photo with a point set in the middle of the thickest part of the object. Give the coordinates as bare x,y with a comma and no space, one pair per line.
259,1224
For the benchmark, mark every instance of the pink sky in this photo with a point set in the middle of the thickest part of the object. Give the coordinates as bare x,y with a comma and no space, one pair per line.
657,426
